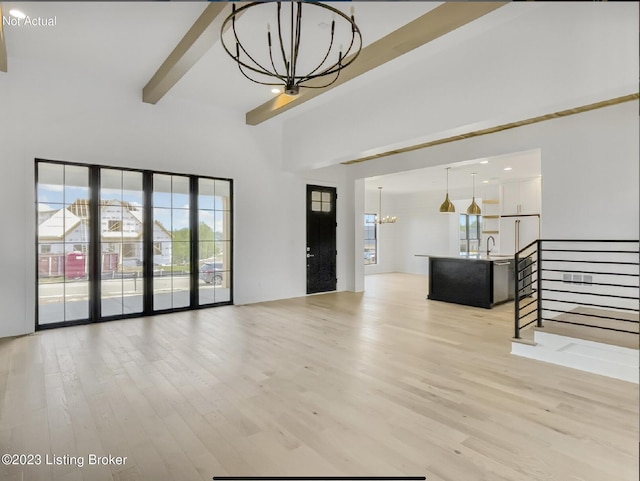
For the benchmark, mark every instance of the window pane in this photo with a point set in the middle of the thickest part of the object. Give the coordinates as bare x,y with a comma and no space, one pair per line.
316,196
51,286
161,190
76,284
181,286
180,253
206,194
316,206
223,292
222,226
180,223
206,221
110,185
162,254
473,226
132,193
162,282
76,184
51,223
208,277
223,195
111,223
50,183
326,197
161,224
370,243
180,191
223,253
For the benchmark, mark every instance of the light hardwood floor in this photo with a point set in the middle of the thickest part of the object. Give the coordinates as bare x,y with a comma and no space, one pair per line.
380,383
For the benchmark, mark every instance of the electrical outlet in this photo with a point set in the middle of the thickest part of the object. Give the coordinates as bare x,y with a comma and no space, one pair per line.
587,279
577,279
566,278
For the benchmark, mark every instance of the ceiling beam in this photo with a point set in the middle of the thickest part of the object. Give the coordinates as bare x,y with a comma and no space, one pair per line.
3,46
202,35
433,24
500,128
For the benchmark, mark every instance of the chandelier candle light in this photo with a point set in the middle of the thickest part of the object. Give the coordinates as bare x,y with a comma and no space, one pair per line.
279,62
387,219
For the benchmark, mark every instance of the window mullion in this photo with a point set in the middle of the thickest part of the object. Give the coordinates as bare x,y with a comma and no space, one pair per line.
95,253
147,242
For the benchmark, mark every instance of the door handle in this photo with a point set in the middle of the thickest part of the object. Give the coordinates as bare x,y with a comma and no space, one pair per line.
310,255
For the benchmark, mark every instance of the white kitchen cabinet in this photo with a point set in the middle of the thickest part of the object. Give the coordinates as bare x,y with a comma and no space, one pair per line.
520,198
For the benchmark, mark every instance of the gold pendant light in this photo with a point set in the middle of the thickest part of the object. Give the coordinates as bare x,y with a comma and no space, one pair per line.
447,206
474,209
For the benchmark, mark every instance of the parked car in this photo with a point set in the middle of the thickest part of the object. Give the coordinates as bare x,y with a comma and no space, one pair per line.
211,273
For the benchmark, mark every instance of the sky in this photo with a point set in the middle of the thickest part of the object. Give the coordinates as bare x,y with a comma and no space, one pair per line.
172,210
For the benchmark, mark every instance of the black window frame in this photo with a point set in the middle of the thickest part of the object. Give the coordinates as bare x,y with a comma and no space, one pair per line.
148,245
468,238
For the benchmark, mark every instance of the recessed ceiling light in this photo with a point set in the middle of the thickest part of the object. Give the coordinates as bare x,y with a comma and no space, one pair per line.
507,168
17,13
485,181
275,91
484,162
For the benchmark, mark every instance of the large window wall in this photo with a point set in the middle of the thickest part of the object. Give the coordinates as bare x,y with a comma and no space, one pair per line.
115,243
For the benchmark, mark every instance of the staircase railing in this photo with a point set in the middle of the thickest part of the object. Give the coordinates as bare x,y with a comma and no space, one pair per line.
588,283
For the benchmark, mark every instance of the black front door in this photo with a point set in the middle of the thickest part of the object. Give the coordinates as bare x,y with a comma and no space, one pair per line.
321,239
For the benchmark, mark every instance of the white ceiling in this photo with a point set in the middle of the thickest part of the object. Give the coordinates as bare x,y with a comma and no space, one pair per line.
215,79
523,165
118,40
128,41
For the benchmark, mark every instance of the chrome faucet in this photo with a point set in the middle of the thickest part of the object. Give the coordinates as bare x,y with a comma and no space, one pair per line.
490,238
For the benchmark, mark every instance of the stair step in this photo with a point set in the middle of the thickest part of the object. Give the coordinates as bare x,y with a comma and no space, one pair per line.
596,357
529,342
613,338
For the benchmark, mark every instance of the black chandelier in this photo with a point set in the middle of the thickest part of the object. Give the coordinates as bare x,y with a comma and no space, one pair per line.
282,66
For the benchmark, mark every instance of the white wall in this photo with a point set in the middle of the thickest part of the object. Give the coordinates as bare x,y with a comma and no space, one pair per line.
387,233
575,54
588,159
529,59
420,229
75,118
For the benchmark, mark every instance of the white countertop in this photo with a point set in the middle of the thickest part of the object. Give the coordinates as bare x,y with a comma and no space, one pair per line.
475,257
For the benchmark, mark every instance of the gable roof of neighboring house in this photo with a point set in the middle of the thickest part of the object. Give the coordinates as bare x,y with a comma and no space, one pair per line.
58,225
62,223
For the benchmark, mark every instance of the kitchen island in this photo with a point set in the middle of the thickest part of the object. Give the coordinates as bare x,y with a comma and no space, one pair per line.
480,281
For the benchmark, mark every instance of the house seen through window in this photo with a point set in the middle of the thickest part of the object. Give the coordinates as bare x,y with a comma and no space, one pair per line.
370,239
